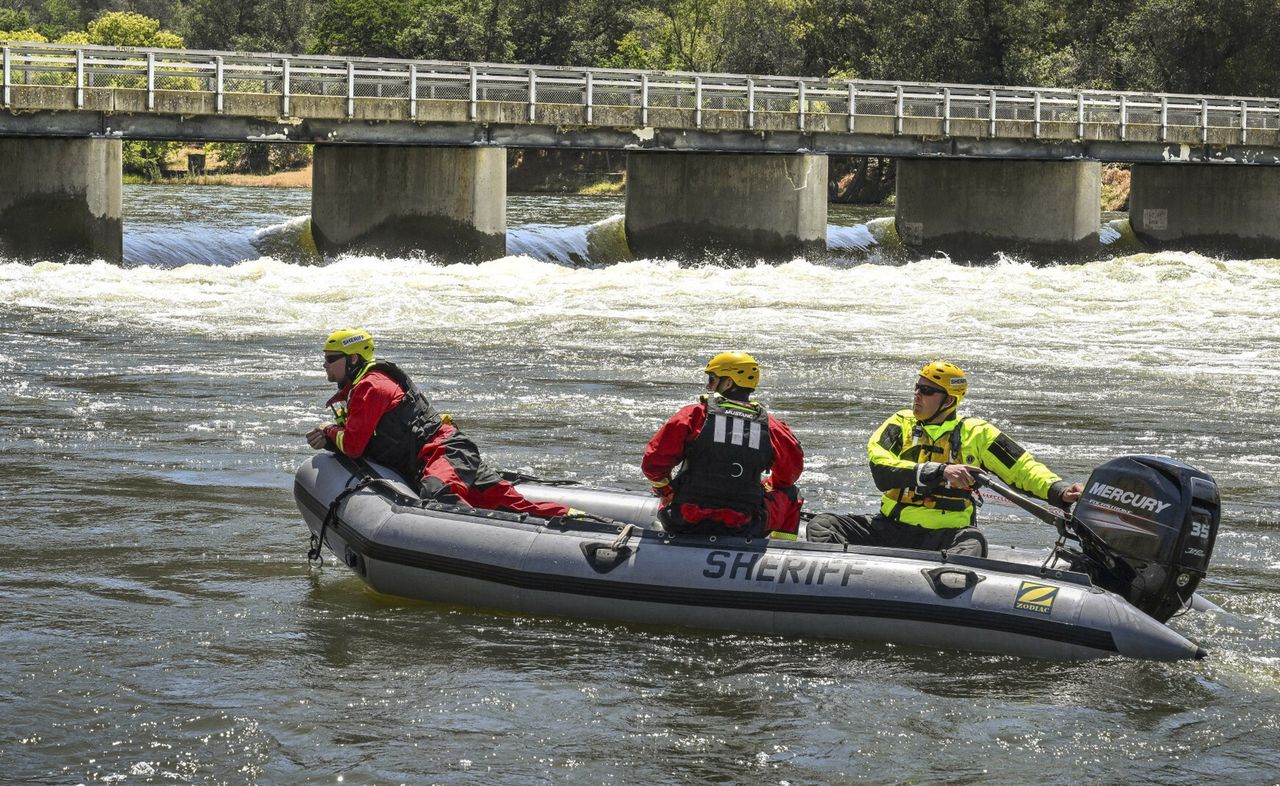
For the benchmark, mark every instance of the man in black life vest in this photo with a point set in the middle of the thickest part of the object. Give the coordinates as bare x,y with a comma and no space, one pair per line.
382,416
726,443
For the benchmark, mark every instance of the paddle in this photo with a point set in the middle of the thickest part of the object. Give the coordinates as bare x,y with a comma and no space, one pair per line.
1033,506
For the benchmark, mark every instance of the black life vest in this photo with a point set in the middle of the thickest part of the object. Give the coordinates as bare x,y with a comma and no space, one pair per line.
723,464
406,429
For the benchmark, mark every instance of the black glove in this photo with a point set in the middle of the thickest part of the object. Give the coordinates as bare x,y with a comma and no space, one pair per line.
929,475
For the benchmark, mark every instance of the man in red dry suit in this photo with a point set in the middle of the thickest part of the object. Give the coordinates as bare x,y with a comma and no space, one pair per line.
726,442
380,415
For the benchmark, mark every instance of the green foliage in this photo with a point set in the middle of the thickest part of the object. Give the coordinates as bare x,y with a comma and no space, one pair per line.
645,45
63,16
690,33
568,32
248,25
459,30
14,19
369,28
125,28
1199,46
28,35
705,35
115,28
145,159
260,157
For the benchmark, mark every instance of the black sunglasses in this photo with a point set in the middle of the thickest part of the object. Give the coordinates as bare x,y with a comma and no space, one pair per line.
929,390
328,358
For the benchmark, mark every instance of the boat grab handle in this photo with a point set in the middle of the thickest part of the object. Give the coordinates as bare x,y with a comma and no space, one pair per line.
944,580
604,557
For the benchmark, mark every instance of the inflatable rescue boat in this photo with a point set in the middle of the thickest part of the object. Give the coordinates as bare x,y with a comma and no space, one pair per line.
1129,557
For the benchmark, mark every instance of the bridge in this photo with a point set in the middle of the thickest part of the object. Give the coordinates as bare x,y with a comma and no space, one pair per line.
410,155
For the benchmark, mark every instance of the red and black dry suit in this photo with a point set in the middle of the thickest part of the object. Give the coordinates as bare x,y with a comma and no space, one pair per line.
726,447
389,421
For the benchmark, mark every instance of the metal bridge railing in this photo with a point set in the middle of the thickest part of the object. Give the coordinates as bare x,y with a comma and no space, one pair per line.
288,77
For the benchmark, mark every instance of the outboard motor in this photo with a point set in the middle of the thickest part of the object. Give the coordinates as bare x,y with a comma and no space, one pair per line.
1146,526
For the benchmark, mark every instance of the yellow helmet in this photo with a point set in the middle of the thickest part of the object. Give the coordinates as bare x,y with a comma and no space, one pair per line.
947,376
738,366
351,341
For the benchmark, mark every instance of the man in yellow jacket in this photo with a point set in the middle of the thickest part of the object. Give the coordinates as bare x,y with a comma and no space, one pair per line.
924,460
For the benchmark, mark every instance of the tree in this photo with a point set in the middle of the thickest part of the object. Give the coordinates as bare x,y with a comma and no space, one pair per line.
363,28
1200,46
678,35
28,35
693,34
459,30
248,25
567,32
145,159
261,157
125,28
14,19
837,36
62,16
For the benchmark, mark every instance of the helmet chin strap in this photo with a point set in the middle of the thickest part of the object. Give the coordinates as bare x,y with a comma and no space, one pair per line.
354,364
726,387
943,408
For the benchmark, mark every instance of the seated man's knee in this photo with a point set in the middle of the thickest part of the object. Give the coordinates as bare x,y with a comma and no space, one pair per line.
433,488
969,542
824,528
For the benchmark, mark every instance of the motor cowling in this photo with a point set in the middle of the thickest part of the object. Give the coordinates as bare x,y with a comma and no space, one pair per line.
1147,525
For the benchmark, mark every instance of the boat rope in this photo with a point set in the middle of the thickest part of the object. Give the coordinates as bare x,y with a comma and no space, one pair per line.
575,516
515,478
1187,605
623,537
314,557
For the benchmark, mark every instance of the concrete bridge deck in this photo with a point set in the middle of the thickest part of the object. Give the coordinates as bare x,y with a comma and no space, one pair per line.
76,91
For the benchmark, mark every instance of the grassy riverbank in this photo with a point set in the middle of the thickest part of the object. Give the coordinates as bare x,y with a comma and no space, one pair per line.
301,178
296,178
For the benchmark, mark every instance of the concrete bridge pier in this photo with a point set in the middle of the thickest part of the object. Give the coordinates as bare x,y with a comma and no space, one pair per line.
60,199
397,201
691,203
1207,207
971,209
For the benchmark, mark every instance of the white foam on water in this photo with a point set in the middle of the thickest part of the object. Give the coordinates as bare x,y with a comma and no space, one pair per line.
1205,315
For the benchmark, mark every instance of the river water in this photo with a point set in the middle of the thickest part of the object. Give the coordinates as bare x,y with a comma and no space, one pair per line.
160,623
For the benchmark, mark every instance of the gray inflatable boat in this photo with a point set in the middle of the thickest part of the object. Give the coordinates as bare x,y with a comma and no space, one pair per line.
615,564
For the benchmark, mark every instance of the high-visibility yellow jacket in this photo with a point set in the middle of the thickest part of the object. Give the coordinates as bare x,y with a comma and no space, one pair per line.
908,457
